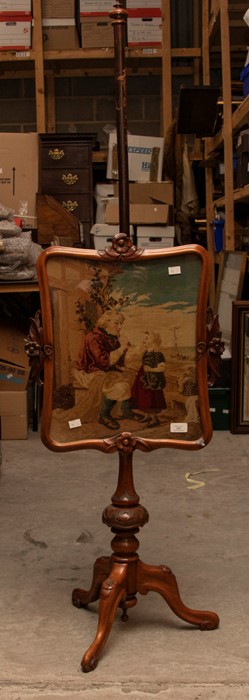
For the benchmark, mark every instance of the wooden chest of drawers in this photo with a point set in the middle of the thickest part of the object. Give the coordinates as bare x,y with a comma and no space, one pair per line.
65,173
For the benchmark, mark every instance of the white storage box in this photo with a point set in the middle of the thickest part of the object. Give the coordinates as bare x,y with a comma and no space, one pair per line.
15,7
143,4
145,158
144,28
97,7
155,236
15,34
102,194
103,235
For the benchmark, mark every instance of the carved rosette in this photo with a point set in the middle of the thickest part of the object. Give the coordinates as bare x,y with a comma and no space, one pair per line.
214,347
121,247
126,443
35,348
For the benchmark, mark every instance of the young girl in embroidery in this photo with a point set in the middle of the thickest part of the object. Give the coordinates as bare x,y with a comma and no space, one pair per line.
147,393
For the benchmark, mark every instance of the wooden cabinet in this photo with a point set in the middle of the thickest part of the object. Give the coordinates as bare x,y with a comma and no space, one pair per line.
65,173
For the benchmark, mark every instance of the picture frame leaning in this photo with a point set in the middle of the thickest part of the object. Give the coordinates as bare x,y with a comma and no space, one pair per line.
240,368
124,346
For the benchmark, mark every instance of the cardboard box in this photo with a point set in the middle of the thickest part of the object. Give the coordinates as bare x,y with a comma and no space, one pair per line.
58,8
139,213
103,235
144,28
150,203
96,32
60,34
15,7
150,192
103,192
155,236
15,34
145,158
19,174
96,7
14,363
14,415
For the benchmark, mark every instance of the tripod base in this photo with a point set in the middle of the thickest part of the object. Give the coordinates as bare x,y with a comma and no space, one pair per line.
118,578
116,583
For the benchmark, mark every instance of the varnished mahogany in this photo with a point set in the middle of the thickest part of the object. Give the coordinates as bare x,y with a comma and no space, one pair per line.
118,578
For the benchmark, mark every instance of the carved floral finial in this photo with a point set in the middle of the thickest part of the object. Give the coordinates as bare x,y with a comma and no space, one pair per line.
35,348
121,247
214,347
126,442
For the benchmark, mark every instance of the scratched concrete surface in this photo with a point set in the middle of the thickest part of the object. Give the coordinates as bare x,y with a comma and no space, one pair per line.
51,533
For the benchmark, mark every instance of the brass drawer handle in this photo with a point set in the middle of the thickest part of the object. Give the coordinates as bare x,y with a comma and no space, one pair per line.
69,205
56,153
69,179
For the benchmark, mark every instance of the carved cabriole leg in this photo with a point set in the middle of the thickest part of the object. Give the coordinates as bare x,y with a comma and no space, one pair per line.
161,579
112,592
101,570
117,579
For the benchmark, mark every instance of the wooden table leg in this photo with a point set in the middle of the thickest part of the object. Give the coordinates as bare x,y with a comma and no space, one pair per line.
113,590
162,580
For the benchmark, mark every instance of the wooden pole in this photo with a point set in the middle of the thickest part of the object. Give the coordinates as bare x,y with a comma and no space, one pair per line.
119,17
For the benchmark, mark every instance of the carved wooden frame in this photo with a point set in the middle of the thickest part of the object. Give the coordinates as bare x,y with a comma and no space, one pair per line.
240,367
123,254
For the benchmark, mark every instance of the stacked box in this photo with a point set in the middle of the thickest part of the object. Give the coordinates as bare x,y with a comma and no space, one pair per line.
96,32
150,205
19,175
95,7
96,24
15,25
60,34
143,4
15,7
144,29
14,364
103,192
15,33
155,236
14,415
145,158
104,233
58,9
60,25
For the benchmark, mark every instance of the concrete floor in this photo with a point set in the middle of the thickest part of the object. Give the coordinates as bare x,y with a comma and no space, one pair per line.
51,533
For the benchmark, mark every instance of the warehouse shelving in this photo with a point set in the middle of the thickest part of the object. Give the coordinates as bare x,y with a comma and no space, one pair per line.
46,65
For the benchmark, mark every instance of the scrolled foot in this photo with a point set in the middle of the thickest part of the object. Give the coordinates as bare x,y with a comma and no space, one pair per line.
88,664
210,623
76,599
161,579
80,597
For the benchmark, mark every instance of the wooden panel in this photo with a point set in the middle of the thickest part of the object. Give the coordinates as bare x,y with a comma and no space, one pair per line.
54,220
